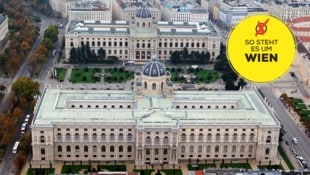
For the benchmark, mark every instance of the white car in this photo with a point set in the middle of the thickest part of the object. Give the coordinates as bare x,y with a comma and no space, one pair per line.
23,128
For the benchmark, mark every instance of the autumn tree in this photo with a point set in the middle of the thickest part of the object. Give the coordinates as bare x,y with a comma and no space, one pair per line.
52,33
25,88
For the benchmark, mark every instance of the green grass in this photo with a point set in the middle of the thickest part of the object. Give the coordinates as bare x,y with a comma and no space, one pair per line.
84,75
117,75
300,106
206,76
237,165
201,166
46,171
297,100
112,167
172,171
270,167
146,172
74,168
285,158
60,74
202,75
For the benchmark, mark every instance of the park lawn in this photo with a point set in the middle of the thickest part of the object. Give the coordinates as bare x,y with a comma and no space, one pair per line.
112,167
145,172
46,171
206,76
60,74
118,75
201,166
74,168
172,171
285,158
237,165
297,100
83,75
300,106
270,167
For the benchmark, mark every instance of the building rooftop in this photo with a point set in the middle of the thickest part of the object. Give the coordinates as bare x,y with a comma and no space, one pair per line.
89,6
183,6
55,107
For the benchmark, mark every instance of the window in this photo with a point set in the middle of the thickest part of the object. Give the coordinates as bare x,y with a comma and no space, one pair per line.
191,149
129,149
217,137
165,152
268,140
251,137
85,137
120,149
129,137
58,137
148,140
233,149
250,148
200,137
225,148
216,148
153,86
94,149
192,137
59,148
183,137
199,149
111,137
147,151
242,148
103,136
42,151
182,149
243,137
166,140
209,137
120,137
94,137
235,137
267,151
42,139
208,148
76,137
157,140
226,137
77,149
68,148
85,148
68,137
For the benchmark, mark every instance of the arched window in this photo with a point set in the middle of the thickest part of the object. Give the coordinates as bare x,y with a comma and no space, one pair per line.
162,85
209,137
59,137
166,140
208,148
199,149
225,148
165,152
191,149
111,149
85,148
120,149
157,140
42,139
216,148
111,137
250,148
77,148
156,151
145,85
94,137
200,137
243,136
148,140
182,149
120,137
42,151
153,86
143,24
59,148
85,137
94,149
129,137
217,137
192,137
137,24
268,139
183,137
103,137
147,151
226,137
267,151
76,137
235,137
68,149
242,148
233,149
102,148
129,149
251,137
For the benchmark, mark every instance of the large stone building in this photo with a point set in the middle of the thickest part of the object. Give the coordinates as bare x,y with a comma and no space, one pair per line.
188,10
90,10
124,10
4,29
153,124
141,37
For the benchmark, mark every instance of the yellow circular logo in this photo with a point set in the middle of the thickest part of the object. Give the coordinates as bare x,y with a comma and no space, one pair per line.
261,48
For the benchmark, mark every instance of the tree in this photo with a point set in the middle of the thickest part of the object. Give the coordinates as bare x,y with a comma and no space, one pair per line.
48,43
26,88
73,55
230,85
101,54
52,33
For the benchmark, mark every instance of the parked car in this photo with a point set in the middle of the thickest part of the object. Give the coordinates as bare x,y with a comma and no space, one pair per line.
286,142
